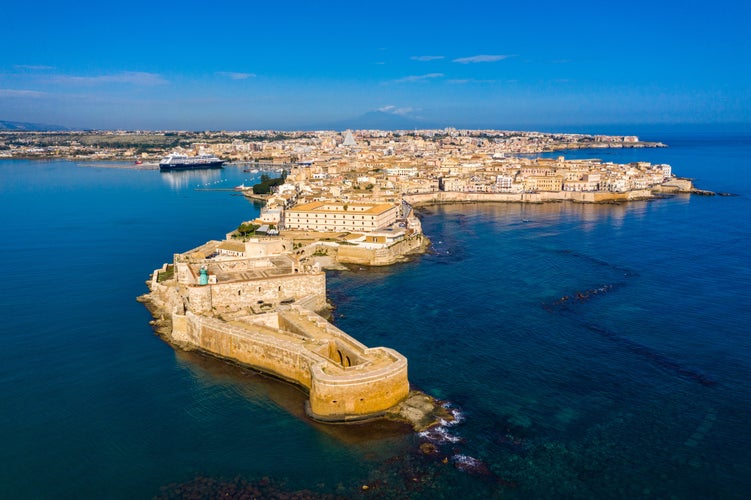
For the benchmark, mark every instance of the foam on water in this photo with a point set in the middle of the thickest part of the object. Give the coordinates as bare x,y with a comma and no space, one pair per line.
440,434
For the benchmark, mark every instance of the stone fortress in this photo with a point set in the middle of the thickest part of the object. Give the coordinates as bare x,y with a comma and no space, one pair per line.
256,303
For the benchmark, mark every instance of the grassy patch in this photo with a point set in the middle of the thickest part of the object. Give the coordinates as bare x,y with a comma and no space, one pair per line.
167,274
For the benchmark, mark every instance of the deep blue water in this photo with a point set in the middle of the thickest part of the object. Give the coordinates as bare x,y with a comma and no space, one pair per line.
636,385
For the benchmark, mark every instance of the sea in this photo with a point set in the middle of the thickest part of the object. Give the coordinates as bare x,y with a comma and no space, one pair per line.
585,351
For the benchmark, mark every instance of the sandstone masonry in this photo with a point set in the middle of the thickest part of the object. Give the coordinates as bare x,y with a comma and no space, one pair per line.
256,304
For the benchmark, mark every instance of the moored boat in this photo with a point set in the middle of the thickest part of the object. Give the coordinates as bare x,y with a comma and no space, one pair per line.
183,162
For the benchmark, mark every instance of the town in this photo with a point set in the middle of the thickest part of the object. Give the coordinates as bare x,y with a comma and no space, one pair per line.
376,166
347,198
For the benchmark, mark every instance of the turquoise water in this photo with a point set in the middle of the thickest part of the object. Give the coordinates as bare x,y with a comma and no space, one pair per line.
636,385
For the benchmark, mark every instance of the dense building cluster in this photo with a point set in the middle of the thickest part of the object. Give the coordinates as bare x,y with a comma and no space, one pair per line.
357,180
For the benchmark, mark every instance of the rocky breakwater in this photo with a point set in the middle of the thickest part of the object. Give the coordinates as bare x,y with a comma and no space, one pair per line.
260,312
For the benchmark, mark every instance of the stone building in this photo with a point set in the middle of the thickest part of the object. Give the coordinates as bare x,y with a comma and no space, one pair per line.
338,216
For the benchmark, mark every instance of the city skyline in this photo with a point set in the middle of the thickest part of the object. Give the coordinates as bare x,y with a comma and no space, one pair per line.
238,66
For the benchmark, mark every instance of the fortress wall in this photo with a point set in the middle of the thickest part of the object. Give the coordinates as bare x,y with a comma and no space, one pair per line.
312,303
270,320
358,392
539,197
640,194
183,273
244,294
458,197
267,353
199,299
678,184
348,254
387,256
237,295
329,329
355,255
343,354
288,323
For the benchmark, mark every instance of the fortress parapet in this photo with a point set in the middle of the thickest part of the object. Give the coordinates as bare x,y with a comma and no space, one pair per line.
260,310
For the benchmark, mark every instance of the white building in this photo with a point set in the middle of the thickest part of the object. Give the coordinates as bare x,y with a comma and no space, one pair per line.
503,183
402,171
337,216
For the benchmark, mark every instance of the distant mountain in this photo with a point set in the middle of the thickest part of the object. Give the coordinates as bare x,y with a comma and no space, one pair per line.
30,127
376,120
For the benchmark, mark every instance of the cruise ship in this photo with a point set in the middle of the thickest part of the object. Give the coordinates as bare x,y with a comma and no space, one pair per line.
184,162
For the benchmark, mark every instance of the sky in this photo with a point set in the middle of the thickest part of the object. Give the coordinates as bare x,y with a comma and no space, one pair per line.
242,65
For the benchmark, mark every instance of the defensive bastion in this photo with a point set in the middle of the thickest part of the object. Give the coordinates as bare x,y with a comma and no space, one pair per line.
256,304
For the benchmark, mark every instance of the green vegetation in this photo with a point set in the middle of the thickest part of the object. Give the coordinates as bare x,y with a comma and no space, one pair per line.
167,274
264,187
247,229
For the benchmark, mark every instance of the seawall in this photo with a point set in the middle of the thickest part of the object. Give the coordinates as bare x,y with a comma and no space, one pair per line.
397,252
345,380
445,197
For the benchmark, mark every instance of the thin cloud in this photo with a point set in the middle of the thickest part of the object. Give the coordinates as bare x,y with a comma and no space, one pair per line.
418,78
33,67
138,78
21,93
232,75
482,58
464,81
426,58
394,110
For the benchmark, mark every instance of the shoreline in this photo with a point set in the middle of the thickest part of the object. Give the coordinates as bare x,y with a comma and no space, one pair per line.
268,312
586,197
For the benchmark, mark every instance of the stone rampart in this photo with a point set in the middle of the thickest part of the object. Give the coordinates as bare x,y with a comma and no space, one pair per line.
368,383
228,297
351,254
678,185
445,197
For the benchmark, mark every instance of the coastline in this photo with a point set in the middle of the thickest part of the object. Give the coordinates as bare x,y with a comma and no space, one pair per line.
674,186
264,311
371,305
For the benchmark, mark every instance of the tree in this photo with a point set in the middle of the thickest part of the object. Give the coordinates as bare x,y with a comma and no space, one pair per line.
247,228
264,187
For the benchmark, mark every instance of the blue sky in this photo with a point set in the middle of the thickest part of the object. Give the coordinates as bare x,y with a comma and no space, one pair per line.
296,64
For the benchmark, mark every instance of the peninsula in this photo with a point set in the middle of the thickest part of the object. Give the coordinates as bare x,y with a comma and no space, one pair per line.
254,302
259,296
